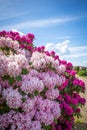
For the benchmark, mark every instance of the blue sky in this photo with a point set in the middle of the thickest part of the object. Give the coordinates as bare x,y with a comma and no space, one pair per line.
60,25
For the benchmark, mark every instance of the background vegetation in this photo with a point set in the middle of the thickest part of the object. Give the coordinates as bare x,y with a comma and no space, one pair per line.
81,71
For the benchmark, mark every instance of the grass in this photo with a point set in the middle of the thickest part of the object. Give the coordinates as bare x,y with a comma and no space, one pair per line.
80,126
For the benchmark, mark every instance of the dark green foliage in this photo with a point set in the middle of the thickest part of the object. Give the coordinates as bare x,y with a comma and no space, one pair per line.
25,71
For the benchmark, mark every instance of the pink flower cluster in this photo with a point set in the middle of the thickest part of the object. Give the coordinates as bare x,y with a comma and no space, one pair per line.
30,84
12,64
8,42
51,79
26,41
41,61
38,91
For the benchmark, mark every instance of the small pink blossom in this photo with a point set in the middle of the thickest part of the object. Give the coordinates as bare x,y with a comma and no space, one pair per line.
28,105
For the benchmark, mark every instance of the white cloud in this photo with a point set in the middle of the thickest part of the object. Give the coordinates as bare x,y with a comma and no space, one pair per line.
64,50
40,23
60,48
74,54
15,30
78,48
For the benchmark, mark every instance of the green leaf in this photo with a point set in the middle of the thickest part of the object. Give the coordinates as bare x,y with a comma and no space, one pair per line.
18,78
44,91
21,92
56,121
18,110
30,95
66,74
7,109
30,63
11,80
4,108
53,69
23,99
5,77
36,93
25,71
56,86
47,127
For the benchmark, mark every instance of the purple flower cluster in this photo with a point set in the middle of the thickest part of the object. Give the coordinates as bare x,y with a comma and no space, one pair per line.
30,84
47,111
13,98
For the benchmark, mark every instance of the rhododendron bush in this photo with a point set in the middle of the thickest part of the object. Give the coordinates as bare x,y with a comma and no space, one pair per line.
38,90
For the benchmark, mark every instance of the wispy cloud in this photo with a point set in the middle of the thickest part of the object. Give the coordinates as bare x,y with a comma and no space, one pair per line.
9,9
78,48
40,23
63,37
11,15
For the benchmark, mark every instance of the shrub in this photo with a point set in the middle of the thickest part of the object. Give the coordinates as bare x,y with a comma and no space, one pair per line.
38,90
82,73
